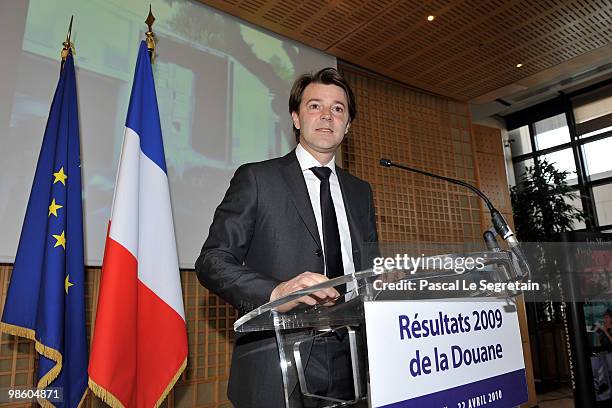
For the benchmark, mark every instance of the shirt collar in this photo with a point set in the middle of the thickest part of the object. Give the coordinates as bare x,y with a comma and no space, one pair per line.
307,160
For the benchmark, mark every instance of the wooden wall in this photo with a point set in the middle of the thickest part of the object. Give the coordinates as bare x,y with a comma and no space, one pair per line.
434,134
429,132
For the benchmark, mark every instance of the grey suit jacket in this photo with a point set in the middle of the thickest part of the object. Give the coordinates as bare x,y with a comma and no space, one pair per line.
263,233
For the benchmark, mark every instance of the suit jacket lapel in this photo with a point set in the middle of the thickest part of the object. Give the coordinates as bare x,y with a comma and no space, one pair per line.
292,174
356,236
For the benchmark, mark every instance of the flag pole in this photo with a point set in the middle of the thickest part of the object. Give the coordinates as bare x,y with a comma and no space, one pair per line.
147,344
150,35
45,300
68,46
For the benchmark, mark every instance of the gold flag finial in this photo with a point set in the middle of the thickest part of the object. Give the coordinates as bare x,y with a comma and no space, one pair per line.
68,46
150,36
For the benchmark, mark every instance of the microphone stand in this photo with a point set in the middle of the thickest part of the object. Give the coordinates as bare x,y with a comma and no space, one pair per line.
500,226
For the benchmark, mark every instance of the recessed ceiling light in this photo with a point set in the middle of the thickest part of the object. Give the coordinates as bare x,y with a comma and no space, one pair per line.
519,65
430,18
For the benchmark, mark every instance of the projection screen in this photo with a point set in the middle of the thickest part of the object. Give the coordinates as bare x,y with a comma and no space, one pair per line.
222,87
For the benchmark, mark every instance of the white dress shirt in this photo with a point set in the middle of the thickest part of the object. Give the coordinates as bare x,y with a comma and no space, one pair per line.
313,185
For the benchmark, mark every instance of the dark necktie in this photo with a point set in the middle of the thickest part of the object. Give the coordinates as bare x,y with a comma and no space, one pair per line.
331,235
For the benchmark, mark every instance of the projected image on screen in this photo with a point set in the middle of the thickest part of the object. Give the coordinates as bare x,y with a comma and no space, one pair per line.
222,88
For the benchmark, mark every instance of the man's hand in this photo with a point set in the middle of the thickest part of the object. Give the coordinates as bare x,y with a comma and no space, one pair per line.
303,281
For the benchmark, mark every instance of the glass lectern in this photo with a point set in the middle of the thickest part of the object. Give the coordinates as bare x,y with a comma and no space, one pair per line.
300,330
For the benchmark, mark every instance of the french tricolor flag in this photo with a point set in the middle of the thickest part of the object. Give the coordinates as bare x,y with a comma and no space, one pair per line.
139,346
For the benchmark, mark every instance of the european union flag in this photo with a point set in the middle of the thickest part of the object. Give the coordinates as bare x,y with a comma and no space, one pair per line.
46,296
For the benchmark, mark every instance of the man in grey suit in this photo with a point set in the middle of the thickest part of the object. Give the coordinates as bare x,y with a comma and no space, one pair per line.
286,224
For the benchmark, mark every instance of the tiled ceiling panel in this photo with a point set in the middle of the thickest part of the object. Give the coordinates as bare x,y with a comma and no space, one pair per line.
471,48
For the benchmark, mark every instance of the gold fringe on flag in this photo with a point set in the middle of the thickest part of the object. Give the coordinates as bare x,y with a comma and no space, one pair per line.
114,402
105,395
48,352
172,382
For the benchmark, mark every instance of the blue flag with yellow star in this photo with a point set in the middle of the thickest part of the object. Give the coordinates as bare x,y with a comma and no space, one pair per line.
46,296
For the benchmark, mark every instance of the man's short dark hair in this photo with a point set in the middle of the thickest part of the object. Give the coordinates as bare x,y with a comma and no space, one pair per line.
326,76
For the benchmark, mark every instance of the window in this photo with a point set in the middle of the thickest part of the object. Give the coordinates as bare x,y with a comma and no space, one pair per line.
602,195
572,130
551,132
520,141
576,203
597,158
563,160
592,105
521,167
596,132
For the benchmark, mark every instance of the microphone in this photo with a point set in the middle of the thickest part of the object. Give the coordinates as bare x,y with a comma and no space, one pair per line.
499,223
490,241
